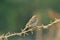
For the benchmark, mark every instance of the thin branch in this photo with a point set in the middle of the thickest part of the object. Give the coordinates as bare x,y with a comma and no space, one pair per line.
29,30
56,21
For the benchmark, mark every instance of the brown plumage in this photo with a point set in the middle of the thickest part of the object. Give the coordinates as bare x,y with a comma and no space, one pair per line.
32,22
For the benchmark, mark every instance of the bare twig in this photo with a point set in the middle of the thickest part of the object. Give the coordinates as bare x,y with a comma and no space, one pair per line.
56,21
29,30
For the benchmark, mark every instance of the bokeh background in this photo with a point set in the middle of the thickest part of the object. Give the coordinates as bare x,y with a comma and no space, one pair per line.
14,14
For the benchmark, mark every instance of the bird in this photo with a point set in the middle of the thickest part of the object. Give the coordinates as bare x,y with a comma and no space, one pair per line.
32,22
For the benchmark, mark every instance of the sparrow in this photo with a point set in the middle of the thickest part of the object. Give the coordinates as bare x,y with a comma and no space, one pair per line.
32,22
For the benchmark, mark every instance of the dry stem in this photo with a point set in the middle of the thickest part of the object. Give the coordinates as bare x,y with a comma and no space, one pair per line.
29,30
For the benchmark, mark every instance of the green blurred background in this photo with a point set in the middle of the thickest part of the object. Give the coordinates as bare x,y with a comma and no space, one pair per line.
14,14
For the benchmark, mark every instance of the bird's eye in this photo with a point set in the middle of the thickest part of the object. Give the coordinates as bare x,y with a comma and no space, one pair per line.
27,25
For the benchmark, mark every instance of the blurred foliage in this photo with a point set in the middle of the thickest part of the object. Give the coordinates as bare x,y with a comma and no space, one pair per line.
14,14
